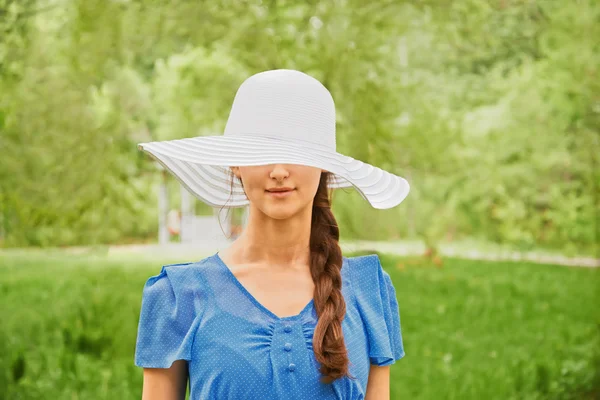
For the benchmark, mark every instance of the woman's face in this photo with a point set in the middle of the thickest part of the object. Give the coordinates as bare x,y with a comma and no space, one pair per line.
259,180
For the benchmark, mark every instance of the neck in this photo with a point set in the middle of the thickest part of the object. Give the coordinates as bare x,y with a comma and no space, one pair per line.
275,242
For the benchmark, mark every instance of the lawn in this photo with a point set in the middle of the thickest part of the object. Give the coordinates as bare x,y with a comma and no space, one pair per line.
471,329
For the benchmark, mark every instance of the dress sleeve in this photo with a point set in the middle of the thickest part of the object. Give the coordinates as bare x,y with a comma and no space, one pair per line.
167,314
377,303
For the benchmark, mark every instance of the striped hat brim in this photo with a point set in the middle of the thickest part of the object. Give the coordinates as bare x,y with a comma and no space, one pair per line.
201,165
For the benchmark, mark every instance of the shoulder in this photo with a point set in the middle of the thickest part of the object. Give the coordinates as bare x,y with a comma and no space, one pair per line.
369,259
178,278
368,279
365,267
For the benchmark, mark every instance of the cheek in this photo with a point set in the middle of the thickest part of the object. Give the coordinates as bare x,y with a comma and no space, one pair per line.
312,187
251,187
306,195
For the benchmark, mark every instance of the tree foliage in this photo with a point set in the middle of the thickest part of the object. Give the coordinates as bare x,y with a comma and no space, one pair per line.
491,109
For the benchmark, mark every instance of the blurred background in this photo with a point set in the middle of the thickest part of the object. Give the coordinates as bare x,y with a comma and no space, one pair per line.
489,108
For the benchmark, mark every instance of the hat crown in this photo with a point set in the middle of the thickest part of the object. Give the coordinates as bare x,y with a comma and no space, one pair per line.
283,103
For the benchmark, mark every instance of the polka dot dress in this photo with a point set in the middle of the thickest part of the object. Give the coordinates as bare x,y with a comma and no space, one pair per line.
238,349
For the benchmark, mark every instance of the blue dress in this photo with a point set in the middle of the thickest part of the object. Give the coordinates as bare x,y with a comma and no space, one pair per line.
238,349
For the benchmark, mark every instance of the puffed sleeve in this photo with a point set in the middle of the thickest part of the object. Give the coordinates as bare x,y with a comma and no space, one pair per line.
165,329
377,303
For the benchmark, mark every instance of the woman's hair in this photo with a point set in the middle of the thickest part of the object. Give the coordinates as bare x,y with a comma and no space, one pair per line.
325,267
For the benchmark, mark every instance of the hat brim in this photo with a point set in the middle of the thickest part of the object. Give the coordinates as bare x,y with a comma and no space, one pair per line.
202,164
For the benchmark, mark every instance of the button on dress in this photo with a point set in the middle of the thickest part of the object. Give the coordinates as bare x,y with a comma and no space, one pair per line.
237,349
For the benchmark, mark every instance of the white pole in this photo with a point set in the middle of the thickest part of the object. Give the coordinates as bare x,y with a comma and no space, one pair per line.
187,216
163,206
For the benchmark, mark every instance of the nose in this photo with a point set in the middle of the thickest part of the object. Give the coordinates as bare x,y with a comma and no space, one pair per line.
279,172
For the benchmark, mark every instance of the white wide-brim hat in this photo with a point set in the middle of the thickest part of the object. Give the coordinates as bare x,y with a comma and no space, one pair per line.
279,116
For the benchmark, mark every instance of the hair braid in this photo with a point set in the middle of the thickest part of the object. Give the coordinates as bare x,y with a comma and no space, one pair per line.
326,263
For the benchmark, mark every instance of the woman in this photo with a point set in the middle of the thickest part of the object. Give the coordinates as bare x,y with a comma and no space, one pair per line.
280,313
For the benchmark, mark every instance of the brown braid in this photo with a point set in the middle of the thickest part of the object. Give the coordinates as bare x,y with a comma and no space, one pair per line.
325,265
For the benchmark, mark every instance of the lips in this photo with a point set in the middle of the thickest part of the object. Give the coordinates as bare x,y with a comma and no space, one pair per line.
280,190
280,193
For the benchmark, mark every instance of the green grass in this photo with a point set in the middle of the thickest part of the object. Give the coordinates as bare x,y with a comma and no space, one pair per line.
472,330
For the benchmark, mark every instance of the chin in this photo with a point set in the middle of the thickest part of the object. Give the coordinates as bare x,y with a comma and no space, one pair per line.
280,214
280,211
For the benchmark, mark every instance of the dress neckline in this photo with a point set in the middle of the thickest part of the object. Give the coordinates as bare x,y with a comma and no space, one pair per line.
258,304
